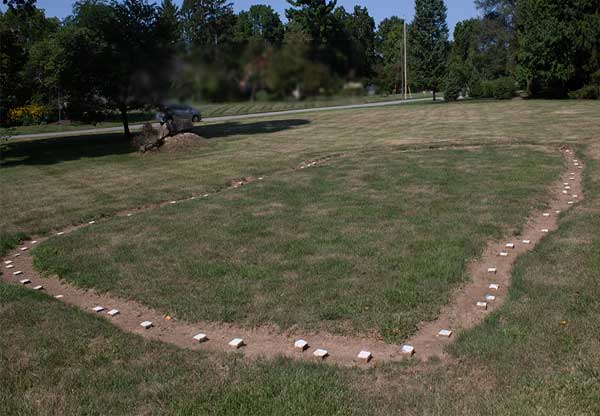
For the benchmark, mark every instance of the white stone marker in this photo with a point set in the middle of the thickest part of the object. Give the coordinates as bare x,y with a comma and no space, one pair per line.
205,195
482,305
24,248
567,188
580,167
38,287
445,333
146,324
545,214
34,242
113,312
493,286
17,255
236,343
492,270
92,222
570,202
545,230
129,215
173,202
510,245
18,272
300,345
526,241
10,266
61,233
25,281
8,261
503,254
558,211
566,184
98,309
490,298
407,349
201,337
565,192
59,296
320,353
575,196
365,356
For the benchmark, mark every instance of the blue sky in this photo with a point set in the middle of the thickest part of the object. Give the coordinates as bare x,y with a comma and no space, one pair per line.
457,9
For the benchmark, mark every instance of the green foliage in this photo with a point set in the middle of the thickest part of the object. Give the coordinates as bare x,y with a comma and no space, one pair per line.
558,44
260,22
500,89
429,44
207,24
454,84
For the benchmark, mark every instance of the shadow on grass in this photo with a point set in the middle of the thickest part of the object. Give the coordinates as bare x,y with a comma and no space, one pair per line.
61,149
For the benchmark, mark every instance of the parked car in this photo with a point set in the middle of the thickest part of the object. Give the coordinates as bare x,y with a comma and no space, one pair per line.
178,112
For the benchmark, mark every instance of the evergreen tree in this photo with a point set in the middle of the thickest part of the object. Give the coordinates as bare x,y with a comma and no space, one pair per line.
207,24
429,44
260,22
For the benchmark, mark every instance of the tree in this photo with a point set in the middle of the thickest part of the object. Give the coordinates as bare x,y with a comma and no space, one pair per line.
207,24
260,22
389,46
316,19
356,40
558,44
169,25
114,56
429,44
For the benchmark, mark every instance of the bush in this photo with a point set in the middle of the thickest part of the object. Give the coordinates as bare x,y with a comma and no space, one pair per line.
453,87
589,92
26,115
500,89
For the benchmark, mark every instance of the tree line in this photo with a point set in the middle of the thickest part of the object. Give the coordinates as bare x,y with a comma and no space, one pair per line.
117,56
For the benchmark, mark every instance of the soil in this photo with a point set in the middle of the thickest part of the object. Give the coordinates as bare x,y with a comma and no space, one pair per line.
460,314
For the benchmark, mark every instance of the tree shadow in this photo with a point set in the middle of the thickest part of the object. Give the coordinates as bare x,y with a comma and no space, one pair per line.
61,149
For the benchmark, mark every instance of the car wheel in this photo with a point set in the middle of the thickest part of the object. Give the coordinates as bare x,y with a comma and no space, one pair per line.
196,119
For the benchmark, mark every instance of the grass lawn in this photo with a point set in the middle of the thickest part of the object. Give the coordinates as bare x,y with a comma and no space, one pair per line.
370,243
215,110
537,355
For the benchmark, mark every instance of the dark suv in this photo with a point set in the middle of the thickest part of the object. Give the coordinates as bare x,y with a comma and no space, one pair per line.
178,112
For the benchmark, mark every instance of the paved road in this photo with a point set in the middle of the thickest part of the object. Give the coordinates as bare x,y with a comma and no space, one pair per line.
224,118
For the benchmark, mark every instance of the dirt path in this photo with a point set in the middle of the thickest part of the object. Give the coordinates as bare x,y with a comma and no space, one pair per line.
462,313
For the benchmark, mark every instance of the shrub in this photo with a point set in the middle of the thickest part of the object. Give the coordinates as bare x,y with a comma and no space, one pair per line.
453,87
26,115
589,92
500,89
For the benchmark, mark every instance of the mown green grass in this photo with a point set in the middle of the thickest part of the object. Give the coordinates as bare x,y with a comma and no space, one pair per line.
521,361
367,243
58,360
50,183
213,110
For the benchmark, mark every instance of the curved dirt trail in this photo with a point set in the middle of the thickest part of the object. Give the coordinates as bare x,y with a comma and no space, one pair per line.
462,313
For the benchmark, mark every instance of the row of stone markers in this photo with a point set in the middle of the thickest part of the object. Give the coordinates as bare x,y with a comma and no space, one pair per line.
301,345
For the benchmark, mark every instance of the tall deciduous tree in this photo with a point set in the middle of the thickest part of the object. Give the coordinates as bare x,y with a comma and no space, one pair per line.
429,44
559,43
207,24
260,22
389,46
315,18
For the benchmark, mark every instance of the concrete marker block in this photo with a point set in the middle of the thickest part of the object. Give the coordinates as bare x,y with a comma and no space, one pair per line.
503,254
146,325
482,305
61,233
59,296
300,345
492,270
575,196
18,272
201,337
38,287
494,286
10,266
320,353
526,241
445,333
570,202
8,261
407,349
24,248
545,230
565,192
34,242
17,255
113,312
557,211
490,298
98,309
25,281
236,343
510,245
545,214
365,356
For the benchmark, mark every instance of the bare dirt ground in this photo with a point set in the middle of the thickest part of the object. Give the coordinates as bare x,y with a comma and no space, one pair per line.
462,313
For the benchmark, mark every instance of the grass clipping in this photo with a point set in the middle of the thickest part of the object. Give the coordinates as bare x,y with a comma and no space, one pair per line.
161,139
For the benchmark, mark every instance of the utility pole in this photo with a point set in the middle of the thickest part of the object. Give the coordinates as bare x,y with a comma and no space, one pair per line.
405,63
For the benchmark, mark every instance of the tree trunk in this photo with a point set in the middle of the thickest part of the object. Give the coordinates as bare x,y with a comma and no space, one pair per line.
433,95
125,119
